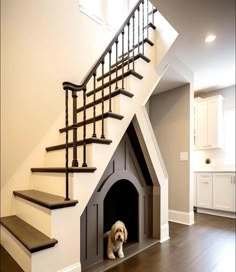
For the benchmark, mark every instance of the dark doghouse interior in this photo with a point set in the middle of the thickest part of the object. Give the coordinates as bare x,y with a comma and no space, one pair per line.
121,203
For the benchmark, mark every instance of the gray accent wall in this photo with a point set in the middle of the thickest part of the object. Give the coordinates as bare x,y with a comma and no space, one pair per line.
121,194
170,118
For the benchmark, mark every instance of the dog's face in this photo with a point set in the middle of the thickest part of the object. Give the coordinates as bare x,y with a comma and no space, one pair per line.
119,232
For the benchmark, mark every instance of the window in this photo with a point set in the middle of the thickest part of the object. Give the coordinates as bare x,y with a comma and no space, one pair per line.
92,8
116,13
132,3
107,12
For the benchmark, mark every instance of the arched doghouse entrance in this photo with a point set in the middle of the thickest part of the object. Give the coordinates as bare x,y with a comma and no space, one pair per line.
121,203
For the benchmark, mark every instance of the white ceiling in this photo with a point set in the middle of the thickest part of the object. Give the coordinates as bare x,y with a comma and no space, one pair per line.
170,80
213,64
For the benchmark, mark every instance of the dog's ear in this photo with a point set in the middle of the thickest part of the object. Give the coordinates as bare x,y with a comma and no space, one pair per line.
113,233
125,233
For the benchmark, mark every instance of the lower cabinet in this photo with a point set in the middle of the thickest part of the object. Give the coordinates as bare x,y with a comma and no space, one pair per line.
216,191
223,192
204,190
195,190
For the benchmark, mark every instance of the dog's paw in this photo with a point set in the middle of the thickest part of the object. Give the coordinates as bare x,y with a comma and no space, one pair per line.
111,257
121,255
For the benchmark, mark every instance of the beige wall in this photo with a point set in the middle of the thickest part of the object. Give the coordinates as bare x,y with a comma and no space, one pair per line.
170,118
43,43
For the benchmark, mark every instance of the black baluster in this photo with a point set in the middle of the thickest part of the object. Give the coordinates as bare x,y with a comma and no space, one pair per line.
74,127
152,14
67,147
84,129
128,43
110,52
123,32
102,135
138,30
143,27
133,38
147,20
94,105
116,64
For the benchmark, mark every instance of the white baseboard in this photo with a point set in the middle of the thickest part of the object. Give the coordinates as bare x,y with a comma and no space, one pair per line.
217,213
164,233
72,268
181,217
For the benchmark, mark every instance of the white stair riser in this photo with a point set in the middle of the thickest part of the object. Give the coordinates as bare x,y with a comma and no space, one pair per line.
98,127
89,132
98,94
65,228
16,249
114,99
115,107
52,183
144,88
57,158
35,215
121,107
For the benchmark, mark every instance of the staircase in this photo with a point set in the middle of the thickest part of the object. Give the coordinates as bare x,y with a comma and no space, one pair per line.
44,232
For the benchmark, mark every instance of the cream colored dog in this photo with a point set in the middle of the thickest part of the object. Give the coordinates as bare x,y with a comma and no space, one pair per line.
116,237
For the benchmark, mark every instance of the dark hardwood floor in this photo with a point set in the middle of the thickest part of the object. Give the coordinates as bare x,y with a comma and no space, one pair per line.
206,246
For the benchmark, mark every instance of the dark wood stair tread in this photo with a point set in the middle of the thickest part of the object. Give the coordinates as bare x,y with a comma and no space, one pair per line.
106,97
126,60
46,200
146,40
151,25
130,58
126,74
153,11
7,263
92,140
30,237
97,118
62,169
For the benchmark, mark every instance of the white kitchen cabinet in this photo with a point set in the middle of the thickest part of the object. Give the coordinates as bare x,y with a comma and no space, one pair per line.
216,191
224,191
209,122
195,190
204,190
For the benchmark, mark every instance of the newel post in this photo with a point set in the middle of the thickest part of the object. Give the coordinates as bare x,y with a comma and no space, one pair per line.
74,127
66,150
67,128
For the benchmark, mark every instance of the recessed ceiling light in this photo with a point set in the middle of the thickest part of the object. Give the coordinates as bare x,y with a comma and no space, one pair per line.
210,38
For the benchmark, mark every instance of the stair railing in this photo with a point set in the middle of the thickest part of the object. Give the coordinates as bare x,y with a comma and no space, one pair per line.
141,9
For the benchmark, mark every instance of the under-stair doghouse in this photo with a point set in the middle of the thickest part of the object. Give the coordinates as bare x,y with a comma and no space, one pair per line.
125,192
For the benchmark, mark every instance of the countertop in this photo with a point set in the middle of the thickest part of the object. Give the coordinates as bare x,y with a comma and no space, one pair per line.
215,171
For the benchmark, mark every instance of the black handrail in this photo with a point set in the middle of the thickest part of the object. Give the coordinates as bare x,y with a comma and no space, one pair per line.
74,87
130,23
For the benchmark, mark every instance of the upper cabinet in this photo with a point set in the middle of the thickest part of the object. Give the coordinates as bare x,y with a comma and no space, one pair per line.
209,123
